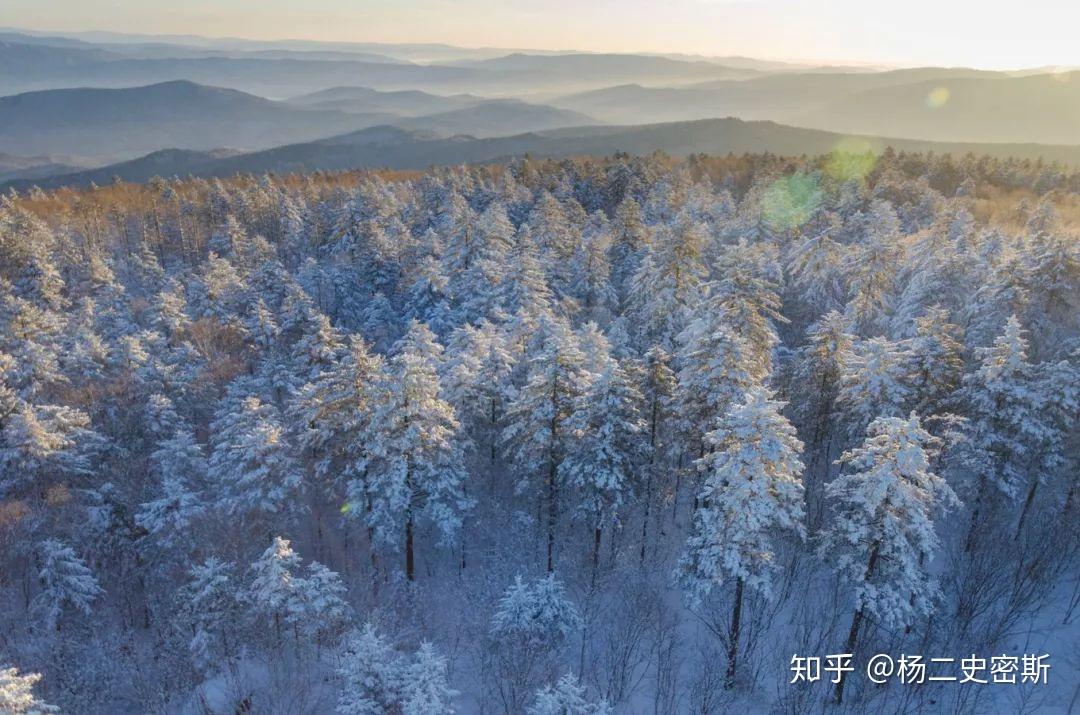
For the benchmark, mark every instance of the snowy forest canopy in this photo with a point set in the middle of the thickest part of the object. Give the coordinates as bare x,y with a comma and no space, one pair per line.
586,436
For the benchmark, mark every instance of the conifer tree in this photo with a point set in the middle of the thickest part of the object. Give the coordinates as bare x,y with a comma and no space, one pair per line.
66,582
250,467
17,694
416,469
882,535
536,431
426,688
752,492
372,674
602,456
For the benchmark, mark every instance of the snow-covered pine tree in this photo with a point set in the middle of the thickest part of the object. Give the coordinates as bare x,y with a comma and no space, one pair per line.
566,697
251,468
318,607
604,451
334,415
882,536
313,606
590,271
17,694
209,608
66,582
524,294
715,370
745,296
1007,420
372,674
476,376
752,493
530,627
181,468
536,431
274,582
659,385
536,611
875,382
667,284
426,688
937,363
416,469
819,370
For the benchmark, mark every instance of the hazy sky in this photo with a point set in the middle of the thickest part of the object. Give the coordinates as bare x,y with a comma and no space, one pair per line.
983,33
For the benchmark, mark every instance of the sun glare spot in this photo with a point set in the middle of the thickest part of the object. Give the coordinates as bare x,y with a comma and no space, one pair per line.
852,158
937,97
791,201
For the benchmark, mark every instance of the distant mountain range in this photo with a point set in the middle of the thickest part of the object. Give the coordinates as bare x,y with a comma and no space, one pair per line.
399,148
33,64
363,100
139,105
125,123
926,103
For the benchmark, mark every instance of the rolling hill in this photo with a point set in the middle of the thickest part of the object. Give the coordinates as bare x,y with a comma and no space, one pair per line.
933,104
134,121
364,100
497,118
119,124
399,148
1044,108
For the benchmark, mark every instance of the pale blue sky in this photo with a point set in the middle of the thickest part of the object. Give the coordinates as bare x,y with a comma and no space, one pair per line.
982,33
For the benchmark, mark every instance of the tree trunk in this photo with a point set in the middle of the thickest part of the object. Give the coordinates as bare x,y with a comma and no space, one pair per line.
410,561
596,550
649,477
494,432
976,512
552,498
856,623
645,516
733,635
1027,505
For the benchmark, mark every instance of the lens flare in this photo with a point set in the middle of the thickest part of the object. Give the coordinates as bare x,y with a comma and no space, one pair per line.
937,97
791,201
851,159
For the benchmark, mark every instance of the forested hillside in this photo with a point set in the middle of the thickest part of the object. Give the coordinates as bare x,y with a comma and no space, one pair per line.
583,436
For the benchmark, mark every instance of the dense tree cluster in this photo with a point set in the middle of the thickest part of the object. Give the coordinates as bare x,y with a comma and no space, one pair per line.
580,437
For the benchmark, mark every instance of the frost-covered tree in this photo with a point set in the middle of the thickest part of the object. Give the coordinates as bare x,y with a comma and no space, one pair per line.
209,608
603,453
937,363
66,583
882,535
819,370
1007,420
537,611
334,417
532,622
566,697
426,689
415,471
476,374
17,694
745,298
181,467
715,371
536,431
667,284
875,382
311,605
251,468
752,493
372,674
